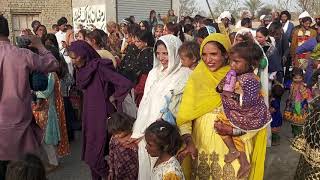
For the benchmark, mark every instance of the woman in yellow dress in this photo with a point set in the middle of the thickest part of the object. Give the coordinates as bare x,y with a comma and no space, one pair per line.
197,116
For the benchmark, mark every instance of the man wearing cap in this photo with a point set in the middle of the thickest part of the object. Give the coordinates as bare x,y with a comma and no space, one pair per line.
224,21
300,35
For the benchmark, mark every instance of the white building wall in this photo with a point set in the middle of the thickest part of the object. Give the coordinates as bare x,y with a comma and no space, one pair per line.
99,12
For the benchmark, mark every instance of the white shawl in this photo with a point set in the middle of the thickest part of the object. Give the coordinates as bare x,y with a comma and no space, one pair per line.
159,84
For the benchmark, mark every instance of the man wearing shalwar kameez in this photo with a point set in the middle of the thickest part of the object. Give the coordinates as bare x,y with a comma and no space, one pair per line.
18,132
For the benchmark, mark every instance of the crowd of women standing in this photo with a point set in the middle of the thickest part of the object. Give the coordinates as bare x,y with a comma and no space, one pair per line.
152,108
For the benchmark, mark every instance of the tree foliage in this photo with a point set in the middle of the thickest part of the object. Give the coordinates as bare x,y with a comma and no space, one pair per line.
190,8
264,11
312,6
253,5
218,6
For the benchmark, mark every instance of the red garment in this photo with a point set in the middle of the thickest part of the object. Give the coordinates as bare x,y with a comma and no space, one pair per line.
139,88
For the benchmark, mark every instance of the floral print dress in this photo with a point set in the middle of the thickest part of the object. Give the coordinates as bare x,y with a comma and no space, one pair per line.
169,170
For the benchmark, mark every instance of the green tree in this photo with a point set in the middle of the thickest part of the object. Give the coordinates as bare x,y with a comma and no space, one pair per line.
253,5
190,8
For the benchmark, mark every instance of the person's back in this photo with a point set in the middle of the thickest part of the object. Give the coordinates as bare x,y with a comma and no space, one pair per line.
15,94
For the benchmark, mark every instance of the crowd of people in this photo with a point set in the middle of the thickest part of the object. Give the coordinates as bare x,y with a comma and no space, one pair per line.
160,99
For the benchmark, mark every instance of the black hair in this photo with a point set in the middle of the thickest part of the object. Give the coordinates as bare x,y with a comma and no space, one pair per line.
274,26
220,47
130,19
264,31
33,24
191,50
133,29
286,13
51,37
176,29
146,25
188,17
167,136
29,167
37,28
63,70
202,33
249,51
146,36
277,90
159,42
297,72
4,27
208,22
305,19
245,21
84,33
61,21
96,35
188,27
198,17
152,12
105,38
120,122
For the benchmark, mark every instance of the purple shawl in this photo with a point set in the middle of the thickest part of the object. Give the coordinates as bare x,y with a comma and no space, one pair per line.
98,81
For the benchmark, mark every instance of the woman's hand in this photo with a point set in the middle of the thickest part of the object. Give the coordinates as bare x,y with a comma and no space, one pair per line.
132,141
223,129
189,149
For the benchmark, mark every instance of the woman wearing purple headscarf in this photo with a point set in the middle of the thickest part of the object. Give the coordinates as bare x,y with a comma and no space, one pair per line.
98,80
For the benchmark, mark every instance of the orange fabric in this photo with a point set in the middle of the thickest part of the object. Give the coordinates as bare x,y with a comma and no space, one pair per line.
64,146
236,140
40,112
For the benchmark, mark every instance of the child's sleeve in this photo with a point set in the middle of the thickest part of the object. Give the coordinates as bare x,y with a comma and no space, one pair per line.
251,91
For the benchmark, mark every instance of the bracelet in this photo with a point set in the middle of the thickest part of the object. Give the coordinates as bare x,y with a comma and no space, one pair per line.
237,132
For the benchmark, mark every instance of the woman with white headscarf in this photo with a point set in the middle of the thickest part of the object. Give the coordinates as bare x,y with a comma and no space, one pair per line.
224,21
166,79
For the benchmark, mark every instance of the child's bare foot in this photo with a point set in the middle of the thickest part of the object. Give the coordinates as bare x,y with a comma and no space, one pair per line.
231,156
244,171
244,166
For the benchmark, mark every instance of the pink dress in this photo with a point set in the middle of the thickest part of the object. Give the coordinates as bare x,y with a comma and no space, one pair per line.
18,132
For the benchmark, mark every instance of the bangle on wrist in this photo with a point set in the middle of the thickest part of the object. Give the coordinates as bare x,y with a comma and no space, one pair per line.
237,132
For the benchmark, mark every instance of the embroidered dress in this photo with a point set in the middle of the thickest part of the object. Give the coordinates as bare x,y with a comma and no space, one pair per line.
169,170
51,117
250,112
296,109
300,36
123,161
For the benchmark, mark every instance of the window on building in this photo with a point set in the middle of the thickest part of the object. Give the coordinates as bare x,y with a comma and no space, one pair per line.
22,21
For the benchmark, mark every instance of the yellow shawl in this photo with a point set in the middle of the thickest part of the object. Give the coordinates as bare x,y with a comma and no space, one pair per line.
200,97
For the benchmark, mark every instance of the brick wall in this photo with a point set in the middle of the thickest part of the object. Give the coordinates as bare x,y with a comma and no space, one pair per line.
49,10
